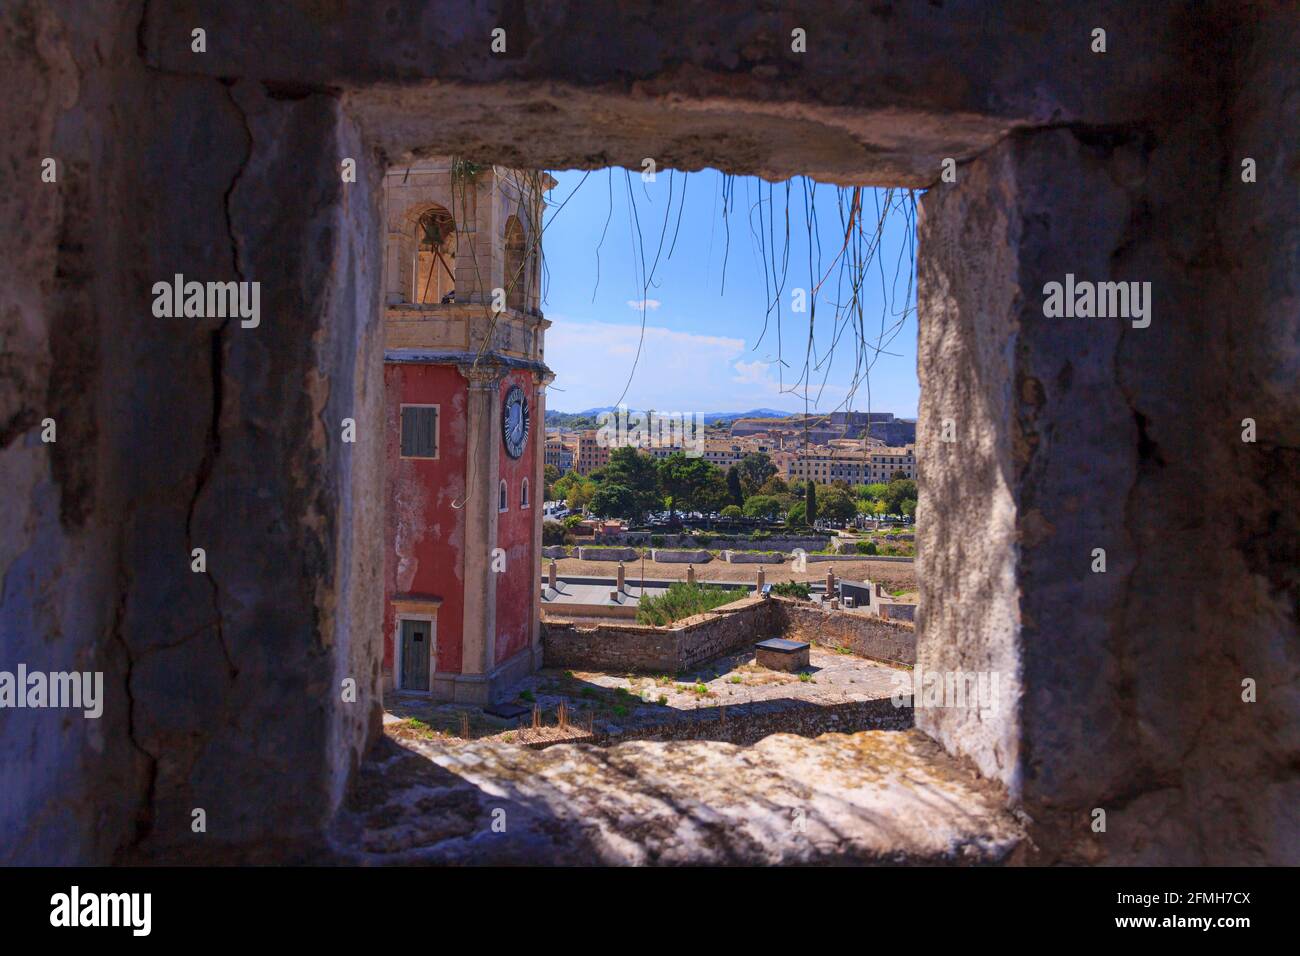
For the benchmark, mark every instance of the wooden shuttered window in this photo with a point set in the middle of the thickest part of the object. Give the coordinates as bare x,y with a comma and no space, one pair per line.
419,431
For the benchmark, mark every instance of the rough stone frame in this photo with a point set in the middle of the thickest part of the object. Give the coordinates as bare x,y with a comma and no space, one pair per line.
1125,167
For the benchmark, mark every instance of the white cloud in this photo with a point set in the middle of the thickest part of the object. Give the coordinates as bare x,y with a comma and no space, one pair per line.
751,373
650,304
677,371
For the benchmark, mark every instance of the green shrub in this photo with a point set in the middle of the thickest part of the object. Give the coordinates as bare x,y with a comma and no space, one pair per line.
867,547
792,589
731,511
760,536
656,541
552,532
682,600
704,540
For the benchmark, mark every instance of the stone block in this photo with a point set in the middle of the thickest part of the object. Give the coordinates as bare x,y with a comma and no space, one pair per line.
780,654
673,556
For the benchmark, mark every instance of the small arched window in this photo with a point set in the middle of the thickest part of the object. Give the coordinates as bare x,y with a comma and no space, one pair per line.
435,261
523,494
503,501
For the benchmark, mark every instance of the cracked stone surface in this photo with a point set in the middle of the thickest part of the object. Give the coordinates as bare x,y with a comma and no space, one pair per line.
872,797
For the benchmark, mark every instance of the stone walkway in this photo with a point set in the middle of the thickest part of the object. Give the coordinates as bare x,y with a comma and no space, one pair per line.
603,706
872,797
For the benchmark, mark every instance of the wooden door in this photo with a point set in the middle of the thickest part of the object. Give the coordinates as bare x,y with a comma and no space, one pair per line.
416,638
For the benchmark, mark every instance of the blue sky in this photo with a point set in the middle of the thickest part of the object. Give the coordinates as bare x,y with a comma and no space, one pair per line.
704,347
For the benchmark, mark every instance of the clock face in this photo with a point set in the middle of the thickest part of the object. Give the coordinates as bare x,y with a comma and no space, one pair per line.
514,421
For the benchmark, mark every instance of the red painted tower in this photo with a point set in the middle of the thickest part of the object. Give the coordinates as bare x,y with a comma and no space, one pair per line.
464,381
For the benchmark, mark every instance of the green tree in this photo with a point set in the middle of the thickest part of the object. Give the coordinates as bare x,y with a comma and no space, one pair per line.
775,487
755,468
683,480
579,494
552,475
874,491
714,494
735,493
762,506
612,500
836,504
565,484
636,473
797,515
898,491
732,511
810,503
909,508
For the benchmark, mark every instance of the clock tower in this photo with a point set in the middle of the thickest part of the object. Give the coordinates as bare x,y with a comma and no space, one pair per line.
464,384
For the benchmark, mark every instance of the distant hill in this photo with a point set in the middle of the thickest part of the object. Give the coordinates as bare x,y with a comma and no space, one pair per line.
554,417
752,413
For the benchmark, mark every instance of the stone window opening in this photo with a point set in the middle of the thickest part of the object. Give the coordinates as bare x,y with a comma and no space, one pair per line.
1059,436
516,271
434,274
503,497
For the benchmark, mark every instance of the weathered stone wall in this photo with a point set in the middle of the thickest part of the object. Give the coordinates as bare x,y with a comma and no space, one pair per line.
747,724
665,556
607,554
223,689
840,558
1129,682
896,611
753,557
891,91
619,648
638,648
864,635
725,629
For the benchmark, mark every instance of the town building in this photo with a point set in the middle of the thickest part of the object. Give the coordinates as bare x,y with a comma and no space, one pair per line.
857,467
559,455
591,453
464,392
819,429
